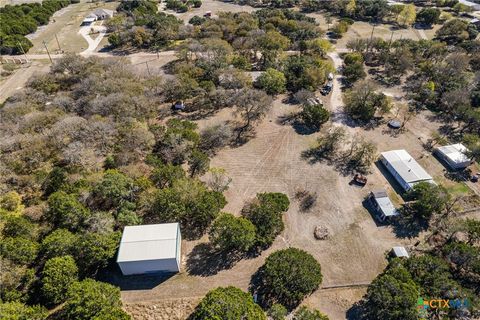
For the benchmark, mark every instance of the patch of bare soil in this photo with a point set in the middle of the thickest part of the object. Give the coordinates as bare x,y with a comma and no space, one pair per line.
173,309
272,162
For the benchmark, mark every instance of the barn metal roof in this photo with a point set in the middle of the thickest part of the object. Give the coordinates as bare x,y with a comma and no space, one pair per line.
149,242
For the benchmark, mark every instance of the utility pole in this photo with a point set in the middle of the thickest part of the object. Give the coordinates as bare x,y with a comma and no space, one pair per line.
148,69
48,52
391,39
58,43
23,51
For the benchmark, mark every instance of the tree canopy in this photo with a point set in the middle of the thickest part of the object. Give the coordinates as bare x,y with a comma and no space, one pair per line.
228,303
288,276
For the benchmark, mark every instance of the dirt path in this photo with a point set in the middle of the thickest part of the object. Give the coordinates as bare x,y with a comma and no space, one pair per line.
336,102
18,80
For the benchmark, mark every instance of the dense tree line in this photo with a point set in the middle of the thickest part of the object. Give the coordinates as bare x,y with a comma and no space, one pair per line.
83,154
451,270
20,20
441,77
138,24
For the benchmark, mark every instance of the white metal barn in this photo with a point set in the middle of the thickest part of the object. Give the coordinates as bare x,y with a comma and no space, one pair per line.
153,248
454,155
404,168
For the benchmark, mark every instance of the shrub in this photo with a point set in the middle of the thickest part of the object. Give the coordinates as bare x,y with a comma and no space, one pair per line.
314,116
228,303
60,242
57,276
19,250
65,211
272,81
232,234
288,276
89,299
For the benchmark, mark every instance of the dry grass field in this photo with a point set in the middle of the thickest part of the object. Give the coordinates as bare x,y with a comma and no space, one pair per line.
272,162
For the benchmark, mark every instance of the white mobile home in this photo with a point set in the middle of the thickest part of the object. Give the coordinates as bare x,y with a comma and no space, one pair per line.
404,168
454,155
154,248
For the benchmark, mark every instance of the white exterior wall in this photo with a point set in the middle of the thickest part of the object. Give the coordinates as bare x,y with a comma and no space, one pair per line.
452,164
149,266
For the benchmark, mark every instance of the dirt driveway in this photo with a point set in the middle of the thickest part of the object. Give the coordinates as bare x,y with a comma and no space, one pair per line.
272,162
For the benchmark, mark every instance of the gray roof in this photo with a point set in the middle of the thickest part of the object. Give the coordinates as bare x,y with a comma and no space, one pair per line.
407,167
384,203
149,242
400,252
103,12
475,6
455,153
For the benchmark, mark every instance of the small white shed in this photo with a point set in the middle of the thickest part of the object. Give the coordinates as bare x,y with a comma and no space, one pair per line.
454,155
154,248
383,205
400,252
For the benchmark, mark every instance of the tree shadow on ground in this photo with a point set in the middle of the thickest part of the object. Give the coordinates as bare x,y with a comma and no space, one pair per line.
406,225
391,180
342,164
205,260
367,204
357,311
293,119
315,155
264,298
242,136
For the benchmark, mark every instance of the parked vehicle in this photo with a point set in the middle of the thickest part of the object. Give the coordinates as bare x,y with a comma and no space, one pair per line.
327,88
360,179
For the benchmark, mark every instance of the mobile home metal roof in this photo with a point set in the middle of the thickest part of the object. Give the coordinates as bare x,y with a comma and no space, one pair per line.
455,153
149,242
407,167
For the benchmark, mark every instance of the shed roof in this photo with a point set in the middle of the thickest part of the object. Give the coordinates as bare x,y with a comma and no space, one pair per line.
103,12
455,152
407,167
400,252
149,242
384,203
89,19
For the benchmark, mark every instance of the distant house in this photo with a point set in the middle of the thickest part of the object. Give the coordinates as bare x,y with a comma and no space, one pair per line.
406,170
474,6
454,155
99,14
383,205
88,20
475,22
154,248
103,14
400,252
